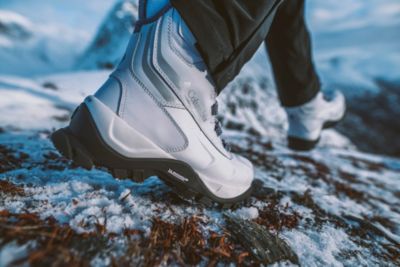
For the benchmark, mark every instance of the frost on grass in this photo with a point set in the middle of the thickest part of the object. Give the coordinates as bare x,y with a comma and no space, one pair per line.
45,242
330,206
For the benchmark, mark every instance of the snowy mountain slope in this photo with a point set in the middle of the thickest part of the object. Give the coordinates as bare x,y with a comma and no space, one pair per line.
59,32
82,16
29,100
333,206
109,45
28,49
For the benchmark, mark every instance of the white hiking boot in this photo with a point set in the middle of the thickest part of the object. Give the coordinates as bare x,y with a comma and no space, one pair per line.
155,115
308,120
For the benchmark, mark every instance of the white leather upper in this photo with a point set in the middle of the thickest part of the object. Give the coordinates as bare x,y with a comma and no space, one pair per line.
165,107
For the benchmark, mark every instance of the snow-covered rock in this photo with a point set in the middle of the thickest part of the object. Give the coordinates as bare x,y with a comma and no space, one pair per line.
14,27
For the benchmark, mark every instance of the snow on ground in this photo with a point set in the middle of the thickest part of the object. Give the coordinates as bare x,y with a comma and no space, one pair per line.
333,190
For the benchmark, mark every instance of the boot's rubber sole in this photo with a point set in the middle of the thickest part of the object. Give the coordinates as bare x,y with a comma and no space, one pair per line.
81,142
300,144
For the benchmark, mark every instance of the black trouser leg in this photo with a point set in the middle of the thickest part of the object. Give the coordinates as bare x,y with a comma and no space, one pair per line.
228,32
289,47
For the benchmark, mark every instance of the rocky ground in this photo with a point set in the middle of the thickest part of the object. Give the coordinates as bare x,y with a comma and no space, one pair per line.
334,206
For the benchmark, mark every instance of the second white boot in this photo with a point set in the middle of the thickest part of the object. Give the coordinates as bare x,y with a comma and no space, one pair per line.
307,121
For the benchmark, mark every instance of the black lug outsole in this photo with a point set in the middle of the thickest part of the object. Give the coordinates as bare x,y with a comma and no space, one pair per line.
81,143
299,144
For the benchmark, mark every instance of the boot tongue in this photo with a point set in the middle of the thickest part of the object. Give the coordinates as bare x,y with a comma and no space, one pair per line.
193,82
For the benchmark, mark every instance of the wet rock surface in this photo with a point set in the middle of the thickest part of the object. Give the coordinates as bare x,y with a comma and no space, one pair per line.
264,246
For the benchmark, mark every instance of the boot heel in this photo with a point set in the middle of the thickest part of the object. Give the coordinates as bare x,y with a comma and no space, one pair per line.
71,148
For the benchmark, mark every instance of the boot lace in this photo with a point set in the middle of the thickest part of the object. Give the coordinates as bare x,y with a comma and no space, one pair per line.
218,128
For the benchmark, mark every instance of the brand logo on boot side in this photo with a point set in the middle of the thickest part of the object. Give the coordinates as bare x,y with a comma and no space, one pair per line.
178,176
